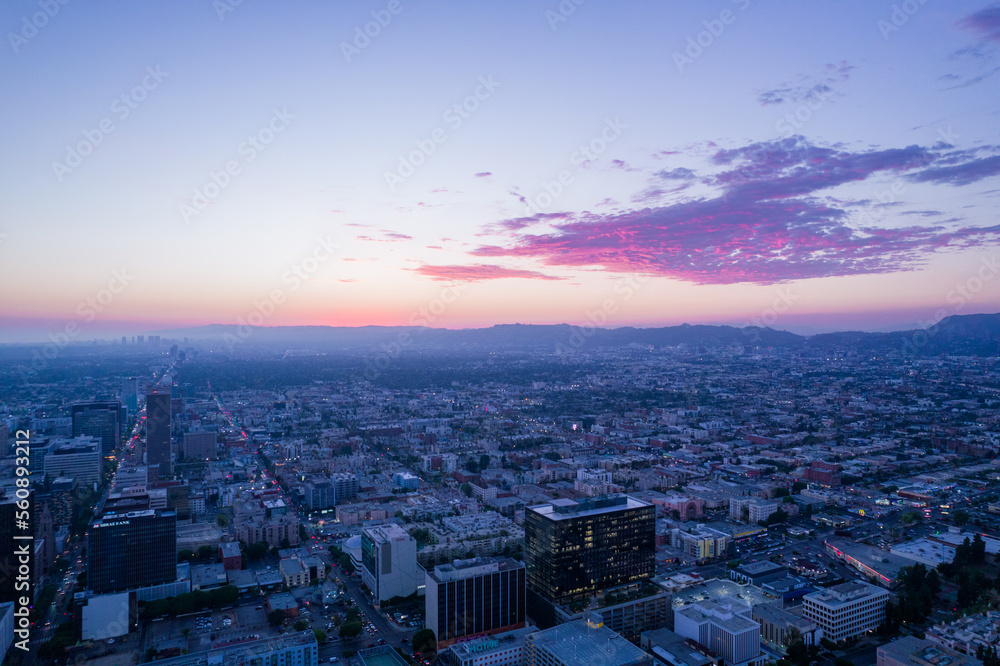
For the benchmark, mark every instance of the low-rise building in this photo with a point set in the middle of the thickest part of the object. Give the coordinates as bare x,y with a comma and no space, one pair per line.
846,610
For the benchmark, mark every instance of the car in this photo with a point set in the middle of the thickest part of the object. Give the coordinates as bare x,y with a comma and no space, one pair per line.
334,660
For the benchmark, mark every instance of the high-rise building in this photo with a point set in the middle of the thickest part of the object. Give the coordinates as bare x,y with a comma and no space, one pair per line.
130,393
101,420
158,429
474,597
845,610
574,548
131,550
389,562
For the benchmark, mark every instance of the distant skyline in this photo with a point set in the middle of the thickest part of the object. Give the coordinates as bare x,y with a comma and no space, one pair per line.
810,167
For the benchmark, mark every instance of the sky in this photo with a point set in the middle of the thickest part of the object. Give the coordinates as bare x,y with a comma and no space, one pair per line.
808,166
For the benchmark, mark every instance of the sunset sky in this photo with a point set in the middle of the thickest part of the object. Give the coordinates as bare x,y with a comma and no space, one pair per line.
812,166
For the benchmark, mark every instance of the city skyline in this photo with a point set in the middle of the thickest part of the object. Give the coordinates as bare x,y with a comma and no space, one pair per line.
809,168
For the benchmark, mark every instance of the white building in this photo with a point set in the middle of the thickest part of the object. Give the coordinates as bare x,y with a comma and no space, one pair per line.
845,610
389,562
79,458
725,627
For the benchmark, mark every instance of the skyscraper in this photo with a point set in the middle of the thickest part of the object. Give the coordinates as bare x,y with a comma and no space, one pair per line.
573,548
474,597
158,429
101,420
132,550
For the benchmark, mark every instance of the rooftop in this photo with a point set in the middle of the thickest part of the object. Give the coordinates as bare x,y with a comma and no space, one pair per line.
562,509
583,643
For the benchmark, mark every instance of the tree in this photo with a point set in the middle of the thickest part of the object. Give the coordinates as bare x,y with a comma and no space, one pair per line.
276,617
185,555
350,629
353,614
256,551
300,625
206,552
484,462
798,487
467,489
961,518
345,561
222,520
320,635
424,639
472,465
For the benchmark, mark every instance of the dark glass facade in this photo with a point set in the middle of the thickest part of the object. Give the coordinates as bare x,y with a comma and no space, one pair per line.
479,604
126,551
158,429
102,420
573,549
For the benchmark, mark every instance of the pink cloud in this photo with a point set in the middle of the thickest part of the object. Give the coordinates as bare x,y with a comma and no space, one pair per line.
478,272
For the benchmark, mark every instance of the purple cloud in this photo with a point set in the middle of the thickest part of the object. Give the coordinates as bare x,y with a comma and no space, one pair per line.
765,225
985,23
484,174
965,173
807,87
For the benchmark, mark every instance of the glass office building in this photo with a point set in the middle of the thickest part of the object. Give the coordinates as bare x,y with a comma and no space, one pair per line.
574,548
131,550
475,597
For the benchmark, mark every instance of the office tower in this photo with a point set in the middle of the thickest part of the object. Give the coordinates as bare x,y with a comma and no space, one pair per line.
200,445
389,562
845,610
158,429
582,643
101,420
574,548
294,649
79,458
725,627
474,597
130,392
132,550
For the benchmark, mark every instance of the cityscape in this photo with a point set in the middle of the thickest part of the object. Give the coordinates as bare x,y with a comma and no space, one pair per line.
555,333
